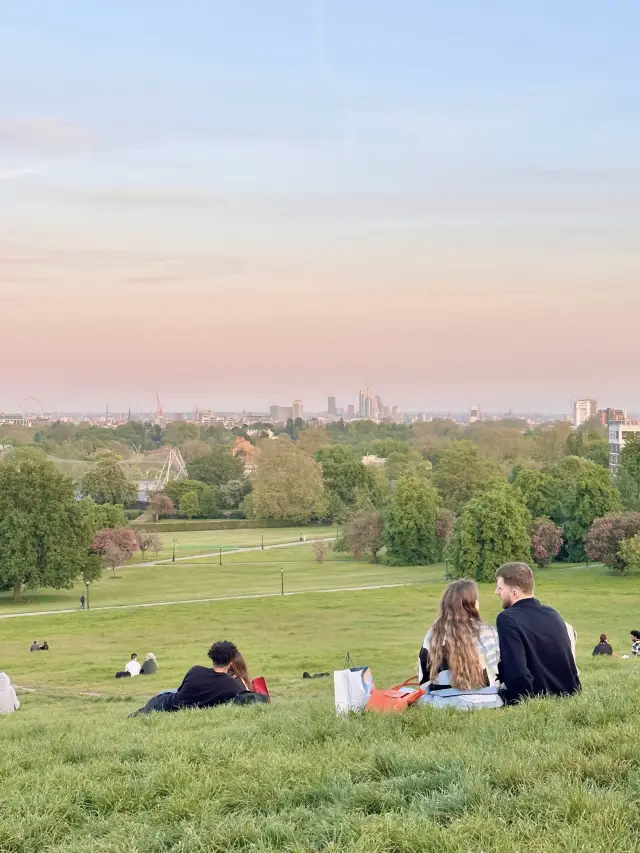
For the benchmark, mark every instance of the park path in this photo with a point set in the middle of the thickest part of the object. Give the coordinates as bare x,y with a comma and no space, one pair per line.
215,553
247,597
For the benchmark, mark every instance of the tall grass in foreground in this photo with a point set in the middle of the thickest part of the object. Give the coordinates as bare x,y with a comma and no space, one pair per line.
80,777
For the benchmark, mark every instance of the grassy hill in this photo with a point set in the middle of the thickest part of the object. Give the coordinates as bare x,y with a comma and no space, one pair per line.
544,777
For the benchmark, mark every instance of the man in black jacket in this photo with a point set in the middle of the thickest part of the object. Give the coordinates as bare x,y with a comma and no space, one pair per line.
535,650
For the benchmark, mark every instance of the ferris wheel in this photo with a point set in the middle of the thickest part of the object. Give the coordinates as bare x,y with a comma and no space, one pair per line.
31,406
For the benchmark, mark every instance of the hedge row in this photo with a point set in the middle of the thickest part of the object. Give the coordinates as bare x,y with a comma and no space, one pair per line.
211,524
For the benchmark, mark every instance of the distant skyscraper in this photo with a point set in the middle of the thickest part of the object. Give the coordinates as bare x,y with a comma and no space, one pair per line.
298,409
475,414
331,406
351,411
280,414
583,411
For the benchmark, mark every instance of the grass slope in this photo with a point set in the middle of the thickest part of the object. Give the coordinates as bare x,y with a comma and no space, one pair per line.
547,776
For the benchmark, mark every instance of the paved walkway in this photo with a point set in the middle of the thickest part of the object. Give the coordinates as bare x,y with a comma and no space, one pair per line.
216,553
247,597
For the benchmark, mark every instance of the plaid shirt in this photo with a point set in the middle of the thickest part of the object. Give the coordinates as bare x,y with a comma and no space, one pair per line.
488,651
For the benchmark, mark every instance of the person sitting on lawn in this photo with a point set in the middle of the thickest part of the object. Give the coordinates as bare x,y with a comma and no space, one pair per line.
150,666
35,646
202,686
635,643
603,647
536,656
9,702
133,667
44,647
239,671
459,658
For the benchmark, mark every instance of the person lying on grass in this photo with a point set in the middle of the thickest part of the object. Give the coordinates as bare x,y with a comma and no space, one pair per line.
458,661
536,655
205,687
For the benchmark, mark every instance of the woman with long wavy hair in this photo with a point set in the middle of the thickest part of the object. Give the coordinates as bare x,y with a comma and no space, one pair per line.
459,657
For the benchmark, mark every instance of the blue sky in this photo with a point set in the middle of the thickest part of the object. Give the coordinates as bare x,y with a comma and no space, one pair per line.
397,193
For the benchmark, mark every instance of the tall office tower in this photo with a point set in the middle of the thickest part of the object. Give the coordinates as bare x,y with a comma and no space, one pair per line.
475,414
351,411
298,409
331,406
583,411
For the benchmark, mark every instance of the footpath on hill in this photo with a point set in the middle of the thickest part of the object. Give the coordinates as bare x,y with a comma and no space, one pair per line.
245,597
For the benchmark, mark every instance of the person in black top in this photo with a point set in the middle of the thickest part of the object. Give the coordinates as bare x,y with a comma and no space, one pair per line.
535,650
603,647
202,686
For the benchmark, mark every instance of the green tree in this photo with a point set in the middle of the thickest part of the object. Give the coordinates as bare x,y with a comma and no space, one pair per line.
209,500
102,516
493,529
630,554
536,490
107,483
410,533
582,492
177,488
45,533
461,473
628,480
190,505
344,474
233,493
217,468
364,533
288,484
549,441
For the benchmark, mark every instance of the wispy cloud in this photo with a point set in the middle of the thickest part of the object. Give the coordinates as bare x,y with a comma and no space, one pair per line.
43,135
14,174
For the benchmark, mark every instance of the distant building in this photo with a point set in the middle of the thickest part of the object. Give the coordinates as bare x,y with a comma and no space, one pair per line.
619,434
475,414
331,406
583,411
298,410
374,461
248,452
351,411
614,416
280,414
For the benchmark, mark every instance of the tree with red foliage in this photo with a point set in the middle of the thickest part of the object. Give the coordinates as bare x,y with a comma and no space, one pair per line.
161,505
605,536
546,541
115,545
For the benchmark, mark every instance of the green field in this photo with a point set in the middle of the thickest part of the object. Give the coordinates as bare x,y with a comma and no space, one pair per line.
548,776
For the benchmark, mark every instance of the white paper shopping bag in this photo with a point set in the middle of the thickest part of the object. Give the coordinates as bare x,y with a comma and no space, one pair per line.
352,687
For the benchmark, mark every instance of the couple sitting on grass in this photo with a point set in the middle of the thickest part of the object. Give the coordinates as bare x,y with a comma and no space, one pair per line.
205,687
465,663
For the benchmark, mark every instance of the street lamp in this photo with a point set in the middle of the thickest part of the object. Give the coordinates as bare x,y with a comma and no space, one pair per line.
86,583
263,541
173,559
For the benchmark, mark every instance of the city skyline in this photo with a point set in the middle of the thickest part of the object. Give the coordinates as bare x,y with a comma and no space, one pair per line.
442,200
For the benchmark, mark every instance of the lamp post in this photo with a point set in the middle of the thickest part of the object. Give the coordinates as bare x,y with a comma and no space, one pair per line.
281,581
263,541
221,555
86,583
173,559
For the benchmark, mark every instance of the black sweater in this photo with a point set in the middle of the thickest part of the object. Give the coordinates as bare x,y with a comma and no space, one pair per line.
535,652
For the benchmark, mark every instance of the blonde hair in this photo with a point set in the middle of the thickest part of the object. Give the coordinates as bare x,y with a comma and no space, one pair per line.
454,636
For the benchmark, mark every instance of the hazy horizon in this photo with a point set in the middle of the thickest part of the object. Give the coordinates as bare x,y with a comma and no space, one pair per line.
241,205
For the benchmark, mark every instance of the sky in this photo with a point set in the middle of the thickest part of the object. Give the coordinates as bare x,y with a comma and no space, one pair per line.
239,204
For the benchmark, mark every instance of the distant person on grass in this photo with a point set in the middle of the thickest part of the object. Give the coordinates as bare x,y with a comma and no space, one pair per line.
9,702
150,665
536,655
44,647
603,647
133,667
35,646
635,643
82,602
205,687
459,658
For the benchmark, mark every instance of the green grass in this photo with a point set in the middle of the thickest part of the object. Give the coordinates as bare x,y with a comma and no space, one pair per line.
545,777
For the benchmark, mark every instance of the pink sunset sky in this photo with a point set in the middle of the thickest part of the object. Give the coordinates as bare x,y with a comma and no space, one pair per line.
250,217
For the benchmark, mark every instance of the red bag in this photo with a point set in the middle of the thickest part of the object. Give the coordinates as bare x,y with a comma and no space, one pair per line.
394,700
259,685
